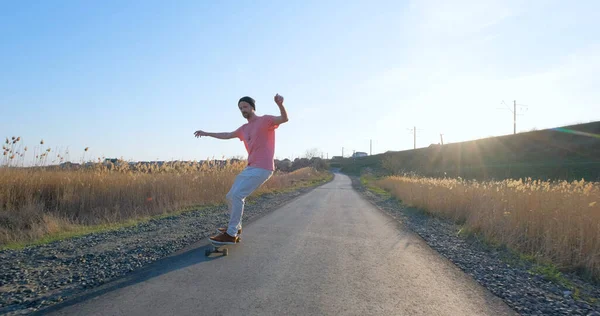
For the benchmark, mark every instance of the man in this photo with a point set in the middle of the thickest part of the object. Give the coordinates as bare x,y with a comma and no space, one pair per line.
258,136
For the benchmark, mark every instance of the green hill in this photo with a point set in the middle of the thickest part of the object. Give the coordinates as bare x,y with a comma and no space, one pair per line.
565,153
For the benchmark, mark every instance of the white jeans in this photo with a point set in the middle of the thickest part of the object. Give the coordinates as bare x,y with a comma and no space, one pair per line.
250,179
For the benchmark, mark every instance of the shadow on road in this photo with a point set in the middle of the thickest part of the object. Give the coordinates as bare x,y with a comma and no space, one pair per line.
189,256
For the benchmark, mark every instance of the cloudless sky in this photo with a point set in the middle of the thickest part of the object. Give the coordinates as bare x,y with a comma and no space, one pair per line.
135,79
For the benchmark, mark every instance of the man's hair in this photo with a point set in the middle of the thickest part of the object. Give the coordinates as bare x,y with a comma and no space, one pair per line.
249,100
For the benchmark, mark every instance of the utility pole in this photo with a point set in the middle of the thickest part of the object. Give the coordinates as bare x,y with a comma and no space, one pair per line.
514,112
414,131
415,136
342,152
515,117
371,147
442,139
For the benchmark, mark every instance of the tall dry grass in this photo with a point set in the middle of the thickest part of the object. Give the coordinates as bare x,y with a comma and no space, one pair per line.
39,201
557,221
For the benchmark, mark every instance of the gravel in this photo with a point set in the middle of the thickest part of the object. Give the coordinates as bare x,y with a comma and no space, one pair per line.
497,269
35,278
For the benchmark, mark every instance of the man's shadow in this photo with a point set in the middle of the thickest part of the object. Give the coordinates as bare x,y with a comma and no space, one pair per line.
188,256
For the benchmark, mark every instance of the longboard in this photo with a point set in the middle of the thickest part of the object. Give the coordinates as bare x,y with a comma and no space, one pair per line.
218,248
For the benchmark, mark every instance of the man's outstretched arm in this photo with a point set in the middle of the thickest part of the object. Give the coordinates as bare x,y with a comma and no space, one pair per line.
229,135
283,117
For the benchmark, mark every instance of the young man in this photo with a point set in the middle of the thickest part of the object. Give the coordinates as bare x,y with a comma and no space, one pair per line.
258,136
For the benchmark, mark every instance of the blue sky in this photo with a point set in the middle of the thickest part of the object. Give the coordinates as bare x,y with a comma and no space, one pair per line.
135,79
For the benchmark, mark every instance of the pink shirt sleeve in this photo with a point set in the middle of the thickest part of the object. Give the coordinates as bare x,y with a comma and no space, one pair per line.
270,120
238,133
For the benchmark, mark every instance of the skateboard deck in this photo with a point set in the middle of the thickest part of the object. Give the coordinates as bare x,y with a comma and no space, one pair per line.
218,248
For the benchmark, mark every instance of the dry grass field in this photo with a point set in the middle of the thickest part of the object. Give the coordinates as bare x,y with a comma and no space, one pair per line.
556,221
40,201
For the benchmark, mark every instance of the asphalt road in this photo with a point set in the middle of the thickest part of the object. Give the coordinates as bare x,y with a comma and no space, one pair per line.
329,252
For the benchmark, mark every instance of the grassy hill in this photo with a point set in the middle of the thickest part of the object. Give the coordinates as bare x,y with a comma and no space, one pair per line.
569,153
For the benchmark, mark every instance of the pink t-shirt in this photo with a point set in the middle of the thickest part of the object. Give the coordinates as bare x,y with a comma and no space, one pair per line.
259,138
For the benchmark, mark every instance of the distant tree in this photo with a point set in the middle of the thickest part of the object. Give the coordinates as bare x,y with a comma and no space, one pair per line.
310,153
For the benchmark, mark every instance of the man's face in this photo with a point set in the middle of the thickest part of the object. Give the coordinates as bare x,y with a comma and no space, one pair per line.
246,109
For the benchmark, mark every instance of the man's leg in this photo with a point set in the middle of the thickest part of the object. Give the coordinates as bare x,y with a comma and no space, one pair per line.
245,183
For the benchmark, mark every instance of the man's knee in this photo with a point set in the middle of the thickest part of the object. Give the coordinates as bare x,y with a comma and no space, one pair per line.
229,196
234,195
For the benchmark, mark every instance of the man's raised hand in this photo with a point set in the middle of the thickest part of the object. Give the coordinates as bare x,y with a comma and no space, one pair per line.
278,99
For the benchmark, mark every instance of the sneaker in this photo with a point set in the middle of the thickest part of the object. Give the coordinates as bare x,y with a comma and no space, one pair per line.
224,230
225,239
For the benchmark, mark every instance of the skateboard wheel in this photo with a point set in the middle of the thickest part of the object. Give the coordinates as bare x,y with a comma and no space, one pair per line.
225,252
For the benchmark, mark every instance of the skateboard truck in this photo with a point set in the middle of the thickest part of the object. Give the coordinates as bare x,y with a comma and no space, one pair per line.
218,248
215,249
